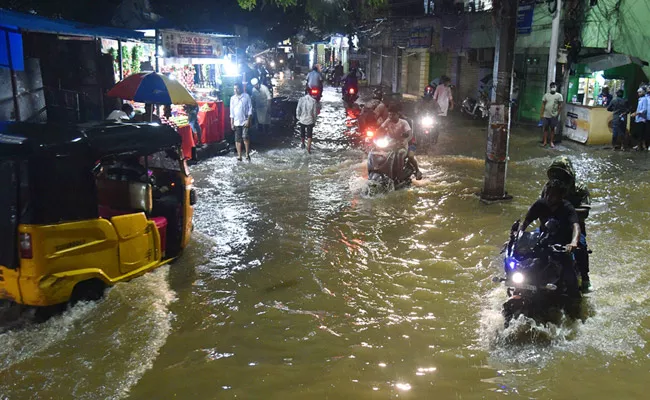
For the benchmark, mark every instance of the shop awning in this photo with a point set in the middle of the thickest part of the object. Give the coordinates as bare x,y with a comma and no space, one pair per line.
607,61
34,23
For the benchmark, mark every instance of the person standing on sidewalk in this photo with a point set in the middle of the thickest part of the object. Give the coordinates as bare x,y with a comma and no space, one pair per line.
619,108
306,113
641,118
551,108
241,113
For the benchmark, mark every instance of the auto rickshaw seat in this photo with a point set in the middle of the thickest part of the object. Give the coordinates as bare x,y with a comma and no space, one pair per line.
123,197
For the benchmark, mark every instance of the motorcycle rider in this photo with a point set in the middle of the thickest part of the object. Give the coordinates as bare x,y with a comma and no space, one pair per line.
577,194
400,130
315,79
553,206
374,112
351,80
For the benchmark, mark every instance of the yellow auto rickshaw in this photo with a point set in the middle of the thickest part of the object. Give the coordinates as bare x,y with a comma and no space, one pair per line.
84,207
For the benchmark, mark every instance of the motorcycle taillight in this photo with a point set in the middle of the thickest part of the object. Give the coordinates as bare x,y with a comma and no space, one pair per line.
351,91
25,243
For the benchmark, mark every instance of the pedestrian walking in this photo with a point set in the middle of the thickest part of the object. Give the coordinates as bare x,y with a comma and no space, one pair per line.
619,108
262,99
640,120
551,108
443,96
306,113
241,113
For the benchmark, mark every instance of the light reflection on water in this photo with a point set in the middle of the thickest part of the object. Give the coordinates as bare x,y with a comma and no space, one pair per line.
299,285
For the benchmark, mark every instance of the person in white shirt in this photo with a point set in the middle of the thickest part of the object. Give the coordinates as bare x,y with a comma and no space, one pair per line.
262,99
443,96
306,113
241,113
125,114
315,79
400,130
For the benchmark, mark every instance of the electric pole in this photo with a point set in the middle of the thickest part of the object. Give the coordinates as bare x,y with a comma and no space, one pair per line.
496,154
555,40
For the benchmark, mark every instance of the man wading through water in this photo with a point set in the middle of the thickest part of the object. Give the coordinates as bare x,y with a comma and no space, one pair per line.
241,114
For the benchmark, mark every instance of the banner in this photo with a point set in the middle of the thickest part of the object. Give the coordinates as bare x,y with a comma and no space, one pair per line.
577,123
187,44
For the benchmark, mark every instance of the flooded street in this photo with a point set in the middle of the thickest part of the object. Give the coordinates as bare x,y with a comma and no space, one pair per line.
297,285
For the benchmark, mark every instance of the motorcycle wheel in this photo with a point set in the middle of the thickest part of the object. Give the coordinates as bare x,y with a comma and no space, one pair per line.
512,309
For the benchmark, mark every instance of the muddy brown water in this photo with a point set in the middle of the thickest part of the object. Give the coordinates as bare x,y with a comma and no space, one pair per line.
298,285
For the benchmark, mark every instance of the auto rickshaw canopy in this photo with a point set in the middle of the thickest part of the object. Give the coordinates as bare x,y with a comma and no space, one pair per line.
28,140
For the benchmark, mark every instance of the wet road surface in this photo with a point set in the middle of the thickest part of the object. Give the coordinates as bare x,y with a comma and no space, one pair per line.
297,285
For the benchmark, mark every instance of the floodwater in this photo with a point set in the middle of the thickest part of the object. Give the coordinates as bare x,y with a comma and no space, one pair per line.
298,285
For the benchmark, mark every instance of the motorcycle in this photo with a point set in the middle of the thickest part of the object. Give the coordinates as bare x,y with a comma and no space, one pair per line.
350,95
317,93
427,130
388,165
476,108
533,277
283,110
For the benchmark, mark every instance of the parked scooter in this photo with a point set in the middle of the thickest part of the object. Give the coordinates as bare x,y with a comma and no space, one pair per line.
476,108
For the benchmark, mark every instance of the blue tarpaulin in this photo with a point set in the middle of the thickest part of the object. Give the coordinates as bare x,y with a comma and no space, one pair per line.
13,59
34,23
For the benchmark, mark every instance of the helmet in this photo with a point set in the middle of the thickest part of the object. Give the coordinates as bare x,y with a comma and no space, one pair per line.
378,93
428,91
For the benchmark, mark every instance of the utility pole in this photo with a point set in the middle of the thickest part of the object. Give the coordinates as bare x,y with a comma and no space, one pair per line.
496,154
555,40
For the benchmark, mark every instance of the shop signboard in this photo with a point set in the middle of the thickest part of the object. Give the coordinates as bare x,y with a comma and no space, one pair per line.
577,123
420,38
188,44
525,14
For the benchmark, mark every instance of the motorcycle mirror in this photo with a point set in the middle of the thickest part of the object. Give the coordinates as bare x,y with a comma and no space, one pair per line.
496,279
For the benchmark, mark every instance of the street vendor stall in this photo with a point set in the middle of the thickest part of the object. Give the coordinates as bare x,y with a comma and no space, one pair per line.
587,119
204,64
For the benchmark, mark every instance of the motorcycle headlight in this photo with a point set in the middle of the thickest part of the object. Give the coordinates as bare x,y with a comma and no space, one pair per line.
518,277
370,134
427,121
382,143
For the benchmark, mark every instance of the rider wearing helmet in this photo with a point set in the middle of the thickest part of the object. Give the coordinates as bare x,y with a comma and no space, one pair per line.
577,194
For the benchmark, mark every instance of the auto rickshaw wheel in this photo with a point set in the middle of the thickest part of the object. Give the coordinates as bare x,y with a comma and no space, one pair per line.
89,290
